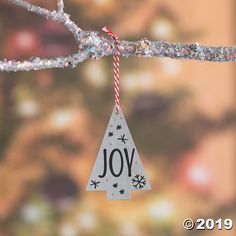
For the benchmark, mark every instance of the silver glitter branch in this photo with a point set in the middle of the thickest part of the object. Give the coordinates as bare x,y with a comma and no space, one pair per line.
58,16
94,46
60,5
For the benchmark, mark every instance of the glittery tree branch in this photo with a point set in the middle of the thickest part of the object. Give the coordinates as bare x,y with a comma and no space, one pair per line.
92,45
60,5
58,16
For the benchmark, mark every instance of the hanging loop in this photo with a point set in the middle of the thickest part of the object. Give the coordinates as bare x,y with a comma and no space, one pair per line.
116,66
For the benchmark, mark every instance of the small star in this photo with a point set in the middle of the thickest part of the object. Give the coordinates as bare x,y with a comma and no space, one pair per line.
110,134
122,191
115,185
118,127
123,139
94,183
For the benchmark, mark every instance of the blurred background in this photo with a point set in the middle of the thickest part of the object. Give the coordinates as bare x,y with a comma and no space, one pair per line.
181,115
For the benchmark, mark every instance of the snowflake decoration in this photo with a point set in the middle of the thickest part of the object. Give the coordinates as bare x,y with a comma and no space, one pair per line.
139,181
123,139
94,183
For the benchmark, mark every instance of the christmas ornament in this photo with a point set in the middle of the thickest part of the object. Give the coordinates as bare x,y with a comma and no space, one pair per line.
118,168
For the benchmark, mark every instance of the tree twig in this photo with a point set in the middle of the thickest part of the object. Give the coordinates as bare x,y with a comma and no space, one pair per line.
58,16
60,5
92,45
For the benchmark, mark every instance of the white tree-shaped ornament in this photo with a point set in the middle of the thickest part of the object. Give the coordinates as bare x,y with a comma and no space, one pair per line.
118,168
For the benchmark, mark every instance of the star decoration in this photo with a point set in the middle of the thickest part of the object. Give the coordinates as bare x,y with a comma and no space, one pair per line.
110,134
118,127
94,183
122,191
115,185
123,139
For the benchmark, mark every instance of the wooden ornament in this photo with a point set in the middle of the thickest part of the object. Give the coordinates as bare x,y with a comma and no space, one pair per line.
118,168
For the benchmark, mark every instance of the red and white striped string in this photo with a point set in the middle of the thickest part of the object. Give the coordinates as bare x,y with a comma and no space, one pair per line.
116,66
